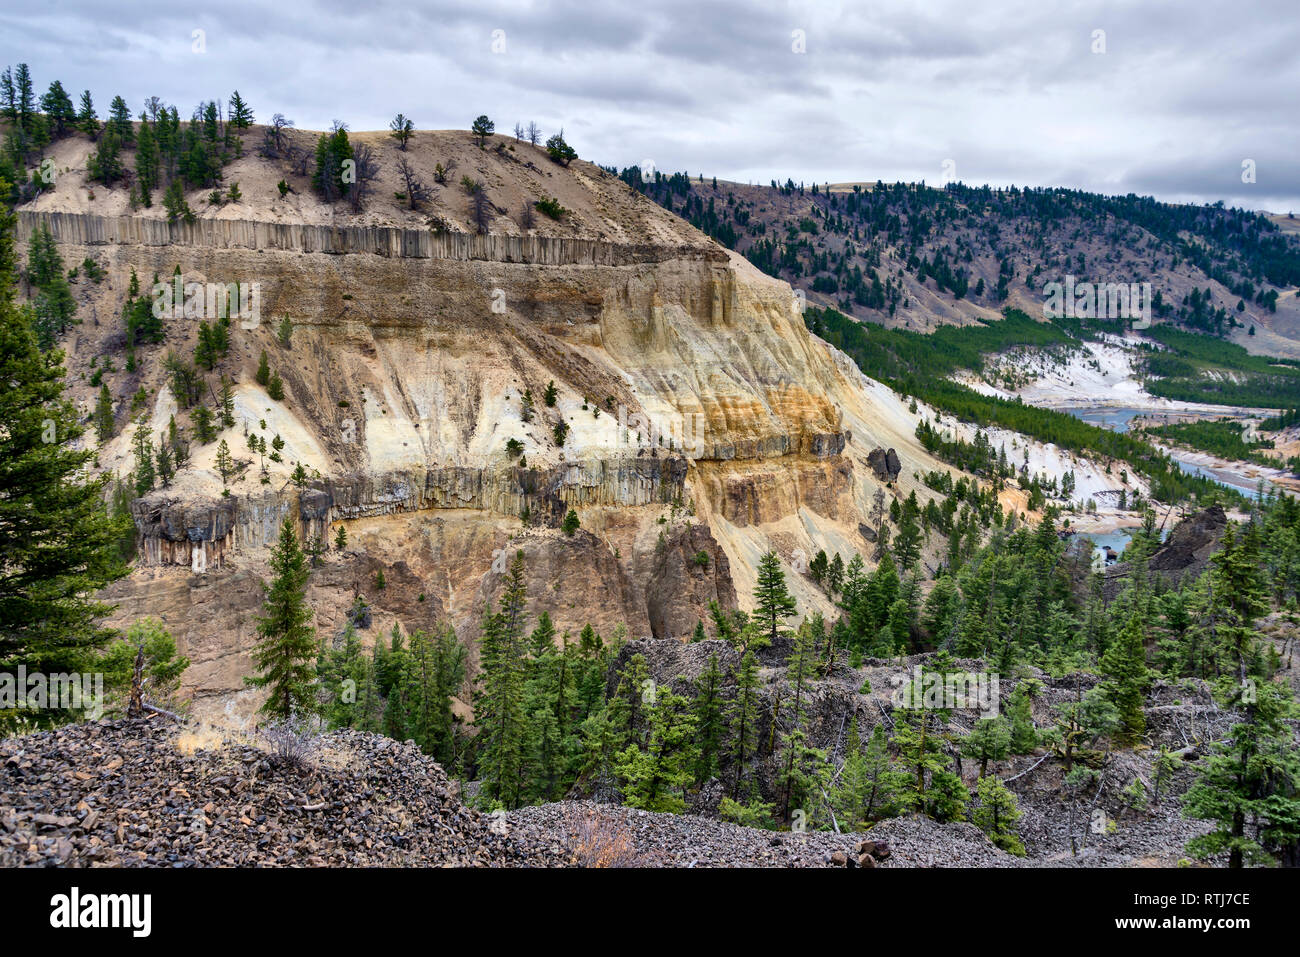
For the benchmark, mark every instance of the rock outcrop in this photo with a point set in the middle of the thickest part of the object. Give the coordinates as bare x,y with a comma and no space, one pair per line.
695,422
1182,556
885,464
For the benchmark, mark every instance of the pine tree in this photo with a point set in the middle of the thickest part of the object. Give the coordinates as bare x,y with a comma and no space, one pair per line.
1024,736
146,163
434,674
241,115
989,740
743,718
1249,785
627,708
87,118
284,655
178,208
144,466
203,429
653,779
226,403
164,464
343,671
864,791
225,465
907,544
923,755
119,121
58,109
996,815
835,574
710,723
772,602
1238,597
799,761
58,545
499,706
104,414
542,639
1124,663
818,567
263,374
397,708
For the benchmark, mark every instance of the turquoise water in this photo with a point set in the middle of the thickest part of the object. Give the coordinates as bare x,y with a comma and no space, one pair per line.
1117,420
1118,540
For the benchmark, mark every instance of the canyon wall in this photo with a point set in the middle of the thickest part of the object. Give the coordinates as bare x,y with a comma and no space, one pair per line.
703,426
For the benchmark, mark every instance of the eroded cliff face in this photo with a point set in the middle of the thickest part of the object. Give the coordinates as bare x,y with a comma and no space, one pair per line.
705,426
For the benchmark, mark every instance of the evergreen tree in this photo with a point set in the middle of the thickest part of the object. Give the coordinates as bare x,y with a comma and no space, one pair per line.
226,403
996,815
146,163
772,602
284,655
104,414
435,673
867,783
164,463
710,722
653,779
835,574
743,718
225,465
922,750
143,451
1249,785
178,208
1238,598
58,110
482,128
343,671
989,740
501,741
119,121
87,118
241,115
203,429
800,763
58,545
1024,736
1124,663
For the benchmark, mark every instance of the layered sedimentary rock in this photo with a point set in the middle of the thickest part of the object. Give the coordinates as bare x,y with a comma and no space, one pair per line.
696,424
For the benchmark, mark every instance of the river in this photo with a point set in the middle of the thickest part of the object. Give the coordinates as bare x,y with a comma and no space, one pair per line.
1117,419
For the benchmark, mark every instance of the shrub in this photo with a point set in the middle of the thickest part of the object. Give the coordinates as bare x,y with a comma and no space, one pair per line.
293,743
551,207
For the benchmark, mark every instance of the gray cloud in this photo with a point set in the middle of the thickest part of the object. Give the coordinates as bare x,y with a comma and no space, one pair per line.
1010,91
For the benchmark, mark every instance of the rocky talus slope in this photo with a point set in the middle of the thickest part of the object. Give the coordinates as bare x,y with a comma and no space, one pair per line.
149,794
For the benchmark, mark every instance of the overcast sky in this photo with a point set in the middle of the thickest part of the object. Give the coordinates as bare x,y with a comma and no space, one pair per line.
1009,92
